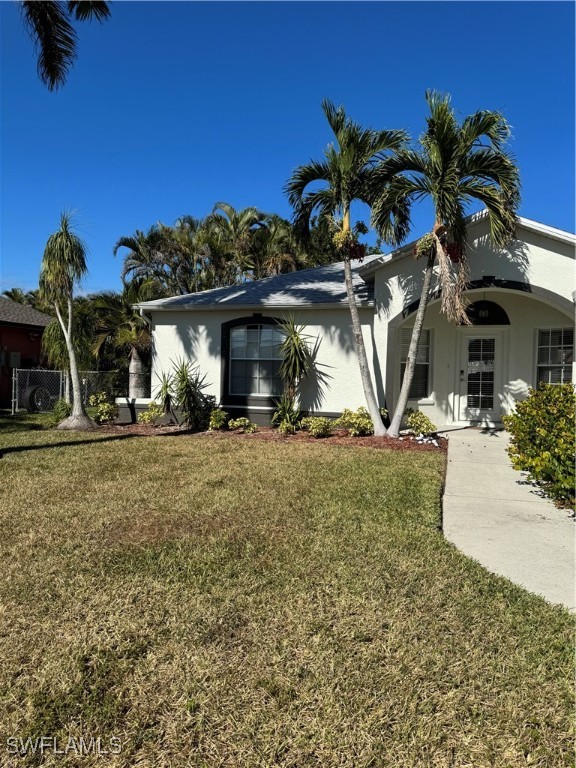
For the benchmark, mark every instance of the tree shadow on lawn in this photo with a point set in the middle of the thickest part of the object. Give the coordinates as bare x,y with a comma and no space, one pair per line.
72,443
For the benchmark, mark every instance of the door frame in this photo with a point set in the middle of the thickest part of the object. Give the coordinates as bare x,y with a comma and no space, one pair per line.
500,335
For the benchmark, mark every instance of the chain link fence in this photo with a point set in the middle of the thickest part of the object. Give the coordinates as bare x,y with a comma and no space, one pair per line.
36,389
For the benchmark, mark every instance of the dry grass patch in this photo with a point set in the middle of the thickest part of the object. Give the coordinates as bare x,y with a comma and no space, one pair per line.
244,603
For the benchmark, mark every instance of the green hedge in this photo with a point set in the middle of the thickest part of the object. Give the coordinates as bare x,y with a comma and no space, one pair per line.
543,440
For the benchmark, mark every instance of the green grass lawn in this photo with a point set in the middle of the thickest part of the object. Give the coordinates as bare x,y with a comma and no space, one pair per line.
235,602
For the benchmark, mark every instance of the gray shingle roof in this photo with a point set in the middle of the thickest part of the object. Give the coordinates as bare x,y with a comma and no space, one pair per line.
21,314
321,285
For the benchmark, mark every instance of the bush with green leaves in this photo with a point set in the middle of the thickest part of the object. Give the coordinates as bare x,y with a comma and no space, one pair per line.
242,424
317,426
218,419
542,439
61,410
188,387
356,423
152,415
106,411
183,388
287,416
419,423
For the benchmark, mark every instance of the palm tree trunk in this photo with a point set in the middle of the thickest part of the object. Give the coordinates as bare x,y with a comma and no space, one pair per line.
136,375
394,428
371,402
79,419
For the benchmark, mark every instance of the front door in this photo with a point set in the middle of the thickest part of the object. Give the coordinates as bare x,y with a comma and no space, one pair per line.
480,377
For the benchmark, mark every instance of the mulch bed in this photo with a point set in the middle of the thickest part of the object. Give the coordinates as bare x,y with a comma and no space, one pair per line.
340,437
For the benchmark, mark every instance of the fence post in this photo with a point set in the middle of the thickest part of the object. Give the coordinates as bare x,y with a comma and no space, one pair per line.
14,390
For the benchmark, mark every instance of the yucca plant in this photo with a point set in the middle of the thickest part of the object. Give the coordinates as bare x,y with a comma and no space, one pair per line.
188,388
296,356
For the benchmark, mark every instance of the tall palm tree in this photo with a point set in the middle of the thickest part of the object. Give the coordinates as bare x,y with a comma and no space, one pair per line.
178,259
275,248
63,266
345,173
118,323
145,257
234,231
456,165
50,24
54,343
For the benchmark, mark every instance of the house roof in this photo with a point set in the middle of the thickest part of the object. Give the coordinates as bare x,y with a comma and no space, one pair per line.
318,287
366,271
21,314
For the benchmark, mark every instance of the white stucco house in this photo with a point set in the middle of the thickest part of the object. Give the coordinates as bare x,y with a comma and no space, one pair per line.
521,305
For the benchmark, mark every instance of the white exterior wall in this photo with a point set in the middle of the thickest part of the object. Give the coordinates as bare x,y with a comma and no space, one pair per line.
516,354
547,265
543,264
196,336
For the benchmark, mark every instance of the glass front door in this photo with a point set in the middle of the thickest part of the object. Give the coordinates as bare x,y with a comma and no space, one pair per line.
478,395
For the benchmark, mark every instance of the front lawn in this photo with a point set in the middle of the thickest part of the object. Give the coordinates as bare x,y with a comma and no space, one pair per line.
226,602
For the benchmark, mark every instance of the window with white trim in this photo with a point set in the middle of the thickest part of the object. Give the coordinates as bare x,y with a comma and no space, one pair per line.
420,387
555,355
255,360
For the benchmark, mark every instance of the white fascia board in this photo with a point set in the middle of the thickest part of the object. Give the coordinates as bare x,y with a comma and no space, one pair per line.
529,224
544,229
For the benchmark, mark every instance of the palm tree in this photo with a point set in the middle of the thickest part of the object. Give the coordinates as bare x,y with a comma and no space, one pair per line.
54,343
234,231
145,259
178,259
118,323
16,294
457,164
50,26
345,173
275,248
63,266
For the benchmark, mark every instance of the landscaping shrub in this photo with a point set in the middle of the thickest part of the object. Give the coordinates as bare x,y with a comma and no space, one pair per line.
188,386
357,423
218,419
106,411
152,414
317,426
419,423
62,409
242,425
542,439
288,416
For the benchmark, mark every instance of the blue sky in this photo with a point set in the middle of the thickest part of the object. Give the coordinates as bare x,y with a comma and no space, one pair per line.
172,107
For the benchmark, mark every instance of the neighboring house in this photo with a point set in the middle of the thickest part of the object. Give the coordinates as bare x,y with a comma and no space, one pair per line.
21,329
521,305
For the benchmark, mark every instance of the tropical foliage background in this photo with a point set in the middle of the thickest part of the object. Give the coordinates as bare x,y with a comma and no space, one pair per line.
459,166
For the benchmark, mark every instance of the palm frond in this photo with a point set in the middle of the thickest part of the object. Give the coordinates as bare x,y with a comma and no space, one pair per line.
84,10
492,125
53,36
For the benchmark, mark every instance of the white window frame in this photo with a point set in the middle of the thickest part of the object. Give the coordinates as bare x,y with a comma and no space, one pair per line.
427,399
565,368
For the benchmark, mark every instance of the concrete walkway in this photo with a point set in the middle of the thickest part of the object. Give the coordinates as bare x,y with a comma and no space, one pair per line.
495,517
